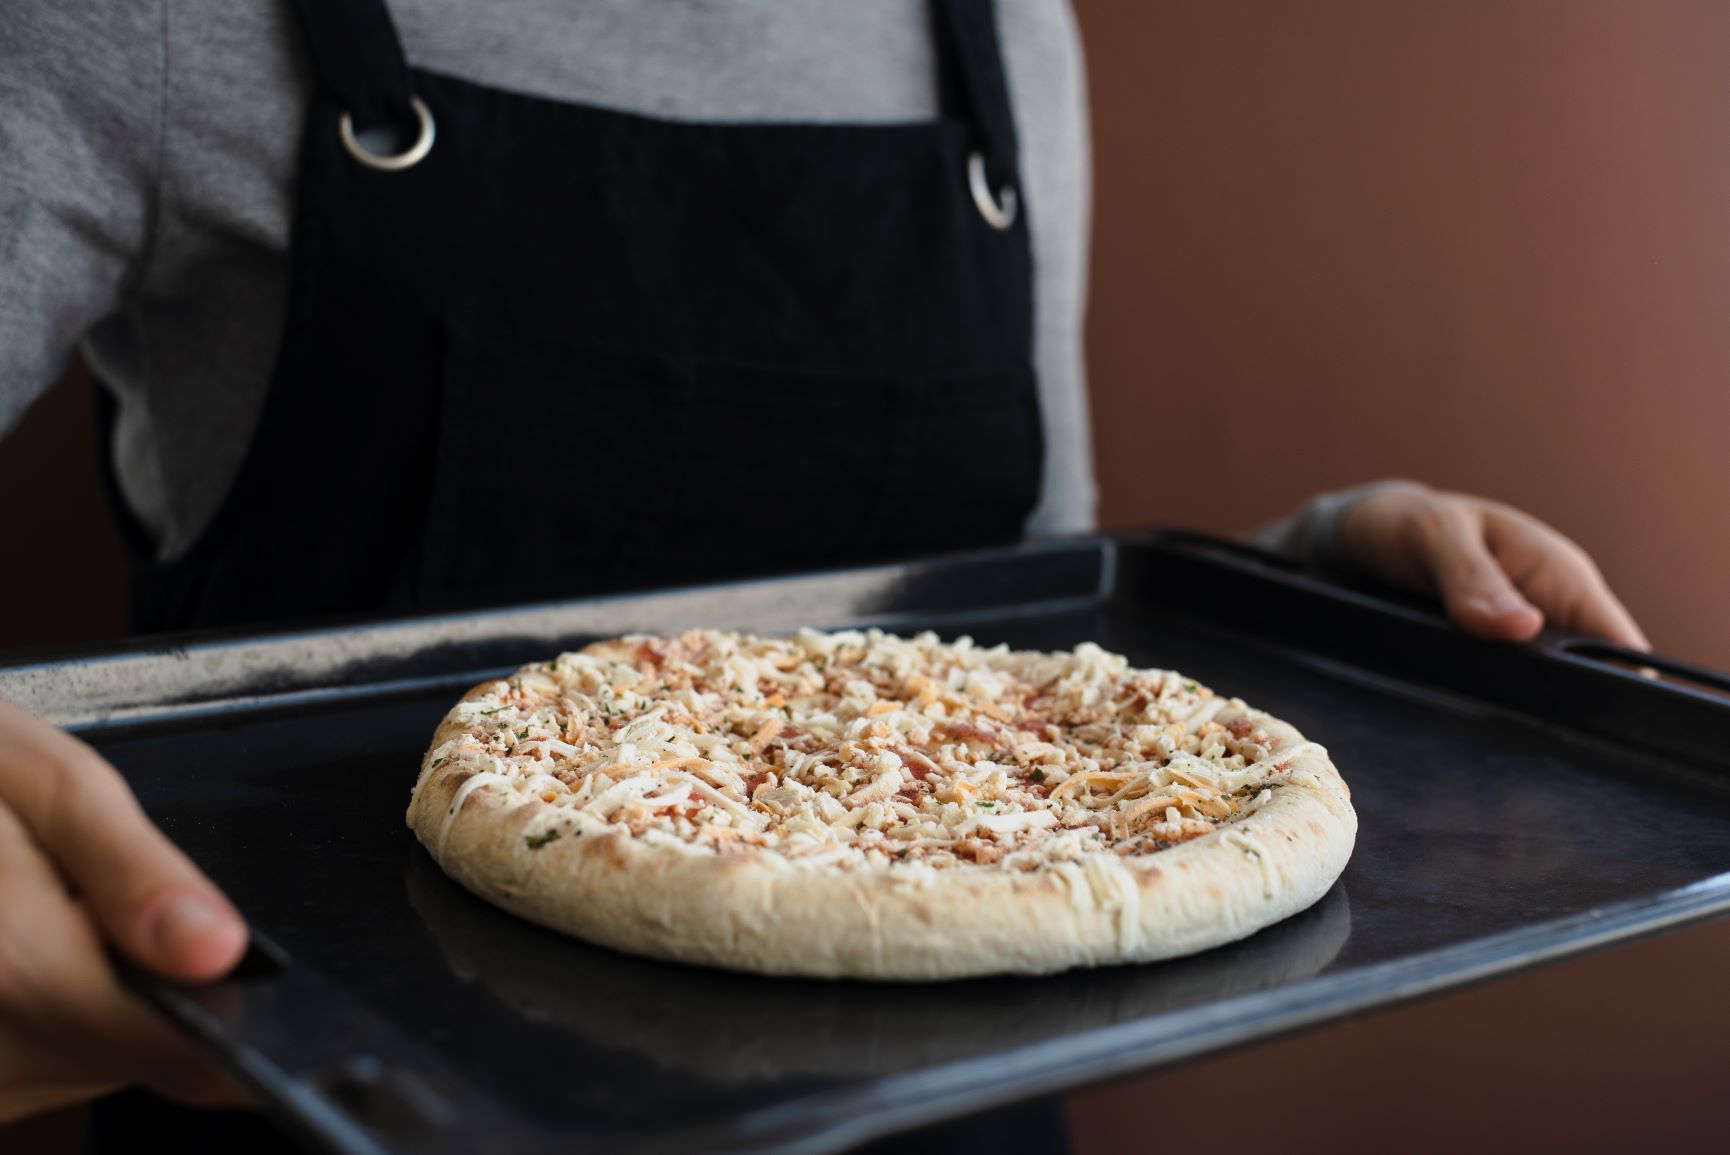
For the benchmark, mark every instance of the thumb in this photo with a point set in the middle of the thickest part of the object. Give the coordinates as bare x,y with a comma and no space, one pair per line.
147,896
1478,593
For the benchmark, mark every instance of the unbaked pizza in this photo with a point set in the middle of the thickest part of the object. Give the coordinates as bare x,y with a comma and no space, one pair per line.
857,804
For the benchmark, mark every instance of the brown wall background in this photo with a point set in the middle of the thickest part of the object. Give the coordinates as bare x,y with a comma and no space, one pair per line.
1486,244
1483,243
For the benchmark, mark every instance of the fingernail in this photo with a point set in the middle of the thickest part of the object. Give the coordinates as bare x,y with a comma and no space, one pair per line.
184,921
1507,602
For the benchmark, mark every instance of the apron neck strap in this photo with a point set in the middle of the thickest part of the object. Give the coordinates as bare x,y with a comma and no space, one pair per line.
357,58
971,79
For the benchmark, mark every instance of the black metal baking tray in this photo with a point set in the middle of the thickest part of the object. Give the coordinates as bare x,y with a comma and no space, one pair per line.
1518,804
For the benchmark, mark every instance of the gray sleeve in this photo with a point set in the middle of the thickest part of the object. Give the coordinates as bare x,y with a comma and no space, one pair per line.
1313,532
1042,52
81,109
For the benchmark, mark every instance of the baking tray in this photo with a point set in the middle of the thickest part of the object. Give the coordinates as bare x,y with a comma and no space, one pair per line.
1518,804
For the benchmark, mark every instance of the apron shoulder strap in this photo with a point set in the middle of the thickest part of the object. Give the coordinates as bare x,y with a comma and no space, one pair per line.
972,81
357,58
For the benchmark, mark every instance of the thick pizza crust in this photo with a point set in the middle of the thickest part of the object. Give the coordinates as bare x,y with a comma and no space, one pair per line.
749,910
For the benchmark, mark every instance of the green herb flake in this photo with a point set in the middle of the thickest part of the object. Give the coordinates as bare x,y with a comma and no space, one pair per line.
1036,775
536,841
988,804
1189,686
437,762
523,733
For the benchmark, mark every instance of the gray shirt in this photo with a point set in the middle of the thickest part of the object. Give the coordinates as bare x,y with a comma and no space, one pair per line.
147,155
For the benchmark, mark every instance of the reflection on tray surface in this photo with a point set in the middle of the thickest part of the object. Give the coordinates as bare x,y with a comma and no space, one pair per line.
734,1027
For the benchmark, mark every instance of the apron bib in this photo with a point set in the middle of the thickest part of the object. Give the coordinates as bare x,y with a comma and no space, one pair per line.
543,350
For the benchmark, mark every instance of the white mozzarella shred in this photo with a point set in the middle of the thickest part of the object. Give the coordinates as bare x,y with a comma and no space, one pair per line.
461,796
1112,888
1012,823
1203,714
849,819
860,749
1101,881
1291,752
719,776
1128,906
881,787
541,783
710,794
1243,836
616,796
668,796
1075,880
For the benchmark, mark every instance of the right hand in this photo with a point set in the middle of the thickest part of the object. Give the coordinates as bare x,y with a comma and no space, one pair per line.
80,863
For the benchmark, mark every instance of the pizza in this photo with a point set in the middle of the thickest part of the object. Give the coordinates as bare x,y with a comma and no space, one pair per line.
856,804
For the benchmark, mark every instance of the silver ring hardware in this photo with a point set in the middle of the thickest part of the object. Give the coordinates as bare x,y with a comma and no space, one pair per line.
395,162
999,212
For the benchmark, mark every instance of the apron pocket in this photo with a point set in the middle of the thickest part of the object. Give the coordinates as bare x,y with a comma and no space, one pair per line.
564,472
550,468
865,467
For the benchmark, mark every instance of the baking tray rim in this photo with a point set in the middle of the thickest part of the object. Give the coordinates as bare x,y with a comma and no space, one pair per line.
959,1086
1250,1018
887,1105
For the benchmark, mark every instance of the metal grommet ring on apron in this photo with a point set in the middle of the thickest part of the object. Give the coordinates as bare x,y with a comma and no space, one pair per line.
999,211
396,162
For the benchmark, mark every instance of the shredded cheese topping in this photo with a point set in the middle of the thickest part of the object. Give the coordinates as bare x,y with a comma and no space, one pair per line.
862,750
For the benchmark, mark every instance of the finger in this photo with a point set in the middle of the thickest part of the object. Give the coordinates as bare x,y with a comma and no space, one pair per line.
1478,593
63,1017
144,892
1563,582
1602,614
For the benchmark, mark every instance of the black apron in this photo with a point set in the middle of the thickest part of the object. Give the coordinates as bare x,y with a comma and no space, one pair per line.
567,350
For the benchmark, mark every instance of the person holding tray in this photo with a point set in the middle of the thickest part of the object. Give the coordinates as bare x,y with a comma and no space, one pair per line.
540,303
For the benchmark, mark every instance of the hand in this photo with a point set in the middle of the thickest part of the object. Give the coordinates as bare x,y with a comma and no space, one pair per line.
79,862
1500,572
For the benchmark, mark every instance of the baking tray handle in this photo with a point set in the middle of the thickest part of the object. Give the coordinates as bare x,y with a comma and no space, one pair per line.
1672,671
1288,570
1207,543
333,1072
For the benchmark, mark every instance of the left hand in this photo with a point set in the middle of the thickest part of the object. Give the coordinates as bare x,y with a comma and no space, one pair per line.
1501,573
